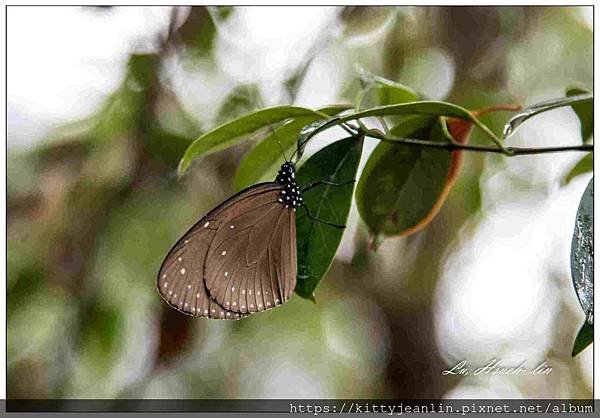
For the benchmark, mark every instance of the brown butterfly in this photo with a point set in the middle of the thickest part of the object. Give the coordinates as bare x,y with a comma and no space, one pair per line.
241,257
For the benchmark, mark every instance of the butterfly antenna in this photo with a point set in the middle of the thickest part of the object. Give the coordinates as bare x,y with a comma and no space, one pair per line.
295,152
278,143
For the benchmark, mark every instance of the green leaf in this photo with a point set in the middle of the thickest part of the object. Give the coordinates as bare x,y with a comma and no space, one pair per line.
585,113
236,131
585,165
533,110
401,185
317,243
388,92
585,337
262,162
426,107
582,252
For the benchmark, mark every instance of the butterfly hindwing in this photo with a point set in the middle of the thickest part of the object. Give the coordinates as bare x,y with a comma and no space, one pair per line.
241,257
181,280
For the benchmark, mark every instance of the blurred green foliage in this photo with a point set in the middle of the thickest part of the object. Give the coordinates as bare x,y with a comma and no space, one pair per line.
93,209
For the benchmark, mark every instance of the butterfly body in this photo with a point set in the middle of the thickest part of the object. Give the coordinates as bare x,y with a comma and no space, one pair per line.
290,193
241,257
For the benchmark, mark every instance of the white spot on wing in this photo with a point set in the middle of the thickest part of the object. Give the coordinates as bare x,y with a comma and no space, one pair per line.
182,271
206,224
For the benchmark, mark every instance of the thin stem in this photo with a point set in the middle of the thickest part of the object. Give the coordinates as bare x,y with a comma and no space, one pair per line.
453,146
384,125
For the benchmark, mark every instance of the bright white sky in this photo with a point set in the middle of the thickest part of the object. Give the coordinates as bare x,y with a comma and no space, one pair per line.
62,61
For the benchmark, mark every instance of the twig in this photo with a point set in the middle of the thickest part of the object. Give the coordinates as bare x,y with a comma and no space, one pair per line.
453,146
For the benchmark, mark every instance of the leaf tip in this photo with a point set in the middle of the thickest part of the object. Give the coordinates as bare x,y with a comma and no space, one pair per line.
181,169
584,338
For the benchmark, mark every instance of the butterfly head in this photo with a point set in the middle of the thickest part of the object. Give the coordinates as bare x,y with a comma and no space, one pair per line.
290,192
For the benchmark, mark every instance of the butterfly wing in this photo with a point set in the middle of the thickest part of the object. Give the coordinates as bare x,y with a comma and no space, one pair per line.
251,262
181,277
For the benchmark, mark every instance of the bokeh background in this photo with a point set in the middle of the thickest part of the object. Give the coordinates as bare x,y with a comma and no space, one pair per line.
102,102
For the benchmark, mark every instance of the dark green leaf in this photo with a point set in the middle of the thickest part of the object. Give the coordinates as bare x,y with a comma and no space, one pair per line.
582,252
585,113
536,109
585,165
585,337
234,132
400,185
263,161
317,243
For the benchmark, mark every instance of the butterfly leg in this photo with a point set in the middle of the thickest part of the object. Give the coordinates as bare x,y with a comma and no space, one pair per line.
321,221
325,182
